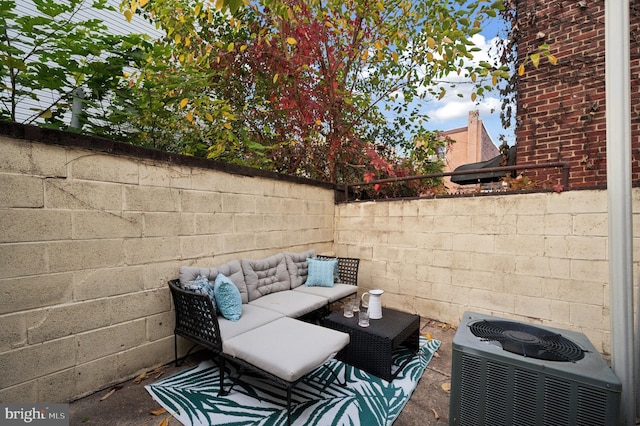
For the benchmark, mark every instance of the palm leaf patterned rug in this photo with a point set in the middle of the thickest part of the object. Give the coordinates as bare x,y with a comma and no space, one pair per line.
191,396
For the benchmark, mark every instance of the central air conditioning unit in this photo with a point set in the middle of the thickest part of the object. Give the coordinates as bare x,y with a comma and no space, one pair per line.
512,373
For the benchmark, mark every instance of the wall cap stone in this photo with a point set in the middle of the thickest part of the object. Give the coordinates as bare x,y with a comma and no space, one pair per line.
101,144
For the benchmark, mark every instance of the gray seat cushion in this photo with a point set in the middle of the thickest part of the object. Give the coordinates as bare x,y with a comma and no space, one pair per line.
232,270
337,292
252,317
297,266
266,276
290,303
287,348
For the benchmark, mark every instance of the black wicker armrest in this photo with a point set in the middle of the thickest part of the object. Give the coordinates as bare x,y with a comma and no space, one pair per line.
196,317
347,269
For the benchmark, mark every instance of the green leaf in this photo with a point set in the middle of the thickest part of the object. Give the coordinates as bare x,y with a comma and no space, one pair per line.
498,4
535,59
234,5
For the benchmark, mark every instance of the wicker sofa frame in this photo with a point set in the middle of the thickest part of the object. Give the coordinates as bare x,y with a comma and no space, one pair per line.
196,319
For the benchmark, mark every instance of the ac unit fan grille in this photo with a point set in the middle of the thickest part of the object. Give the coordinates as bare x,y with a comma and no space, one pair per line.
528,340
493,386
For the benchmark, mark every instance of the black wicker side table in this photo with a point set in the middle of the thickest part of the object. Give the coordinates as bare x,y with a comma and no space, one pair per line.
371,348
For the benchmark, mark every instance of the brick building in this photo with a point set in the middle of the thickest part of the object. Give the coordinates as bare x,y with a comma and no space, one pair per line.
561,108
472,144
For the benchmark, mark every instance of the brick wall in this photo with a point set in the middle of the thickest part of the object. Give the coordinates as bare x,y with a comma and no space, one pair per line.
561,108
88,240
540,258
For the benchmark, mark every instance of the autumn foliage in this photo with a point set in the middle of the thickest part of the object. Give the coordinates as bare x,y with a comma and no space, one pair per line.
326,89
299,81
332,90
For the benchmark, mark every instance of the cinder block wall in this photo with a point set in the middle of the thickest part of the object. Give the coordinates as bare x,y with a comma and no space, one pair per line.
540,258
90,232
89,239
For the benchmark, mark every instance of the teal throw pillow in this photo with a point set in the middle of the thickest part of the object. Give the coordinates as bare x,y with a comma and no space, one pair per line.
321,272
228,298
201,285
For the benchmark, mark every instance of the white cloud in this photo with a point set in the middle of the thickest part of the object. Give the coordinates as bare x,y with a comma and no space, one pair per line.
457,102
486,48
453,109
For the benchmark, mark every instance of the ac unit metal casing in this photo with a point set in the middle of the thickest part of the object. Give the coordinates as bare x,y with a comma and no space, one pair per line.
491,386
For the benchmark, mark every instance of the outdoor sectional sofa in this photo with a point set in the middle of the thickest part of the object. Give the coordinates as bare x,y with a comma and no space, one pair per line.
278,294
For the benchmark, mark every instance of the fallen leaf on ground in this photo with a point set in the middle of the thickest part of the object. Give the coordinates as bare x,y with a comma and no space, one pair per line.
446,326
111,392
435,414
158,371
108,394
446,387
436,354
140,378
158,412
442,325
164,422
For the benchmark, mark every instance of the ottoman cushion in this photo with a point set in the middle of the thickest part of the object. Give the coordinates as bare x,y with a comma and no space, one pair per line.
287,348
252,317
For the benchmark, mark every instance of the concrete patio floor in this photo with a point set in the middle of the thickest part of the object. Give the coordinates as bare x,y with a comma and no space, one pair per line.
131,405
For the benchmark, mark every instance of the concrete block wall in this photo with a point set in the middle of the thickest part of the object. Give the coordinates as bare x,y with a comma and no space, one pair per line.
89,239
540,258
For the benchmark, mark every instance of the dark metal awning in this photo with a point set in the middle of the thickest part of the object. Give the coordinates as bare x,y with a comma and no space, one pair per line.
484,177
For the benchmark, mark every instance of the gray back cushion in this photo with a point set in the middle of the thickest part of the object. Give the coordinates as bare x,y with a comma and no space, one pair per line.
297,266
188,274
232,270
266,276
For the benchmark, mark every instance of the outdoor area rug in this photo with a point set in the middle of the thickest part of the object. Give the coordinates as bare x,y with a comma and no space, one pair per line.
191,395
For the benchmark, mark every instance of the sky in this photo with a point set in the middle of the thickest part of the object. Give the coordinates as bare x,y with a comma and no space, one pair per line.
452,111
